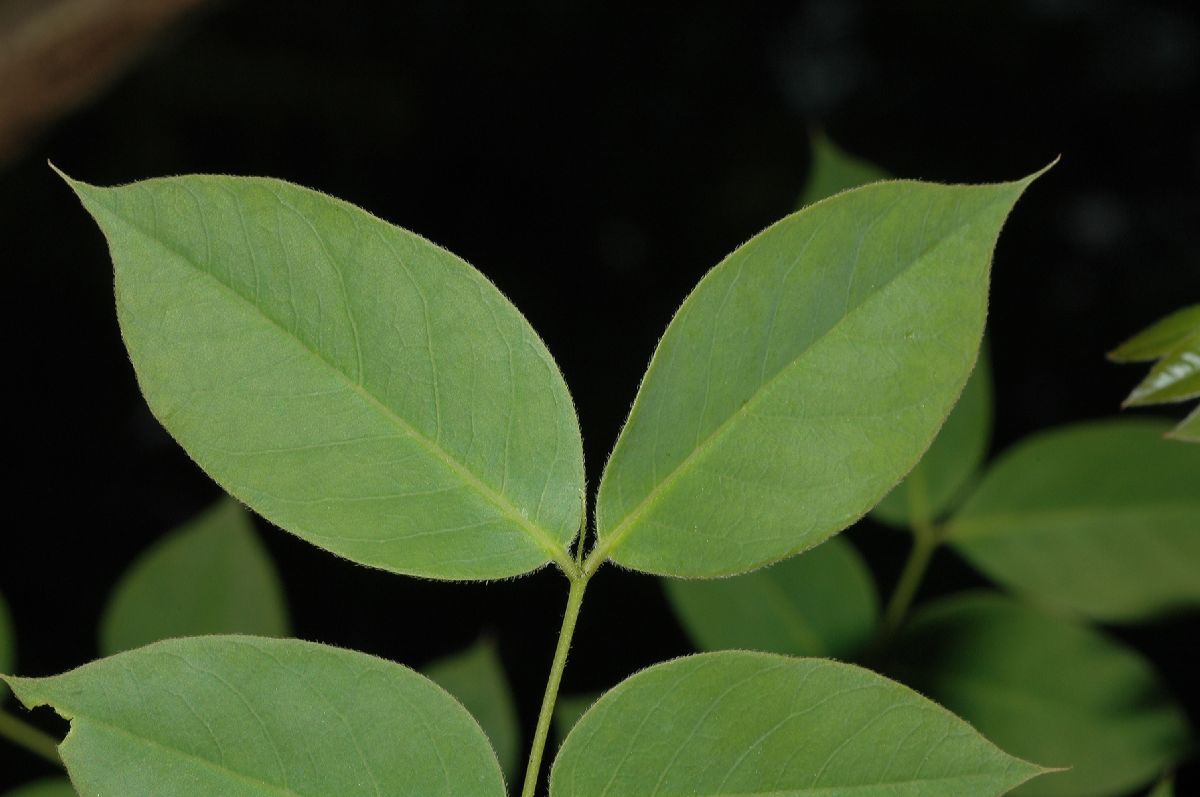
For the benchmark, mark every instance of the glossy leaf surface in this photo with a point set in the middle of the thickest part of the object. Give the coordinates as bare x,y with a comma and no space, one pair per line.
476,679
347,379
1047,689
210,576
1101,518
46,787
742,723
1176,377
251,717
1160,337
834,170
938,480
802,378
821,603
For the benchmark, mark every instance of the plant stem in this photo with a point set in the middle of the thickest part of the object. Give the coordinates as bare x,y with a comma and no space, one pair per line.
25,735
910,580
534,768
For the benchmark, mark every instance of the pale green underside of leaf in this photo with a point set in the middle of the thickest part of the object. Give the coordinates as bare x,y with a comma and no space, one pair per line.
1176,377
476,679
46,787
255,717
567,711
1160,337
1102,519
834,170
347,379
821,603
210,576
802,378
741,723
1188,429
951,462
1045,689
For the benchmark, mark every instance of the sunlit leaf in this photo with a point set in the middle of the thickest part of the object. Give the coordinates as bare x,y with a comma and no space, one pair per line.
802,378
742,723
251,717
210,576
821,603
1100,518
476,678
1176,377
46,787
567,711
937,482
834,170
347,379
1046,689
1160,337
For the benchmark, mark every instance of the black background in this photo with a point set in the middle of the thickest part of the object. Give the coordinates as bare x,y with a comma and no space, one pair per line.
593,160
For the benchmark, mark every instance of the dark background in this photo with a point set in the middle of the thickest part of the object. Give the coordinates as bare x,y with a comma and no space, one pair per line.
593,160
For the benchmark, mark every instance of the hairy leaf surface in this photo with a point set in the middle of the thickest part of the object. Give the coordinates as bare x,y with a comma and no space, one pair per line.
742,723
1046,689
256,717
347,379
802,378
210,576
821,603
476,678
1100,518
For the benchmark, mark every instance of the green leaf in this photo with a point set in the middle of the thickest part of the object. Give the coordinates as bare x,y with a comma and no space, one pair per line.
742,723
802,378
1160,337
567,711
1165,788
834,170
46,787
1102,519
476,678
821,603
1046,689
1188,429
348,380
211,576
248,716
936,484
1176,377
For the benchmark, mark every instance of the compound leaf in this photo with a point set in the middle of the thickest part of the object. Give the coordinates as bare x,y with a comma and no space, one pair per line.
256,717
348,380
938,480
476,678
821,603
1102,519
742,723
210,576
1047,689
802,378
46,787
834,170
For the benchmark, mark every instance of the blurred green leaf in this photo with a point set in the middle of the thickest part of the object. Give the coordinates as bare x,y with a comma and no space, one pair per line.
476,678
567,711
1189,429
1046,689
347,379
1176,377
210,576
802,378
834,170
743,723
820,603
1159,338
1165,788
1101,518
46,787
257,717
938,481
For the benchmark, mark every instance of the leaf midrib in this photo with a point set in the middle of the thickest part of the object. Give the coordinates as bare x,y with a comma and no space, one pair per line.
622,529
540,536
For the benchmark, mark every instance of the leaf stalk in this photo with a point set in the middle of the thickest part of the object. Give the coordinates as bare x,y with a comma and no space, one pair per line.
25,735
